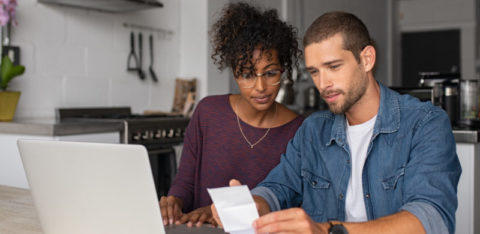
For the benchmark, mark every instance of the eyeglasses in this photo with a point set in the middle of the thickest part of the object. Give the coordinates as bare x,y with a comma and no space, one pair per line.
271,77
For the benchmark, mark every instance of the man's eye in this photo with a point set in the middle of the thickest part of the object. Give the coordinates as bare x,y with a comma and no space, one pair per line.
333,67
313,72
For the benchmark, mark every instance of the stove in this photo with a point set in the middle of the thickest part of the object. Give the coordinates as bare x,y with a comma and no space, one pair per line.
159,133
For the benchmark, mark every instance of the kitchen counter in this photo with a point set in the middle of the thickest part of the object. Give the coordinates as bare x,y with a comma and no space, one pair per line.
50,127
18,216
466,136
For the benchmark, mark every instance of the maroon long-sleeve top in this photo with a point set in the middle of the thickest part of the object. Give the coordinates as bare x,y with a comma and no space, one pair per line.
214,152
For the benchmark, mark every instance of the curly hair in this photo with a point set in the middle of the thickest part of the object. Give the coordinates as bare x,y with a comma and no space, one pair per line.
242,29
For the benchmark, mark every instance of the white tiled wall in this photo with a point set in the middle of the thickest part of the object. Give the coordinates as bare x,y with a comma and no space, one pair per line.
76,57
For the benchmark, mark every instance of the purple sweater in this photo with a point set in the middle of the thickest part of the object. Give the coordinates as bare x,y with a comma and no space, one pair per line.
214,152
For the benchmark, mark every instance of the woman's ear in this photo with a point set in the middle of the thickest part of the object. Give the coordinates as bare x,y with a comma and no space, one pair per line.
368,56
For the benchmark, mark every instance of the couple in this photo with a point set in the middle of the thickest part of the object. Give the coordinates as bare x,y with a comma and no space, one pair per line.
377,162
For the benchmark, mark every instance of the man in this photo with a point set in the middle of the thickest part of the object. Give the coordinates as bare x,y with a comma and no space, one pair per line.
377,162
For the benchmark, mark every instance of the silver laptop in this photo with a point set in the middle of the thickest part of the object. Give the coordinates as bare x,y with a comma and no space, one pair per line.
91,187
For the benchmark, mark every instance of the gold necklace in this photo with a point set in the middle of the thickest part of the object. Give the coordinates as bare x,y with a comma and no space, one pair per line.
264,135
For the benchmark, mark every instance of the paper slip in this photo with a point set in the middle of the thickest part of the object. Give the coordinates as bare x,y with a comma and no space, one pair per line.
235,207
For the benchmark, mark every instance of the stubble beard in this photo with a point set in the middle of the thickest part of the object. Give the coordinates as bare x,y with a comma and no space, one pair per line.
356,90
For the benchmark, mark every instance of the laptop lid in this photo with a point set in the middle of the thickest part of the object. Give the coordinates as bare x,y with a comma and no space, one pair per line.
91,187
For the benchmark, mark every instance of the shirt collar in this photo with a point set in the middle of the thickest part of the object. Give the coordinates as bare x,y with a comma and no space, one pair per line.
388,117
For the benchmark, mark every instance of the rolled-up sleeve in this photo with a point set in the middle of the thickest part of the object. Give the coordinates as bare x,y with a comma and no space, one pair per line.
269,196
431,220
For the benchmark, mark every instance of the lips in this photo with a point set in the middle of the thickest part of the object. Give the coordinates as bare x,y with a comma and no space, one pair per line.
331,97
262,99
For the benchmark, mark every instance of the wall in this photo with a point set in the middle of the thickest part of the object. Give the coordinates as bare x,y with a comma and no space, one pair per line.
77,57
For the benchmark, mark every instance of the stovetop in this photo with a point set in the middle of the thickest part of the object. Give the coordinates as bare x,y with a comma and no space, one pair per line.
150,130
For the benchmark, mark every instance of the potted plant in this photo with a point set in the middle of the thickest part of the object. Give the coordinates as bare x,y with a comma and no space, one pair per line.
8,99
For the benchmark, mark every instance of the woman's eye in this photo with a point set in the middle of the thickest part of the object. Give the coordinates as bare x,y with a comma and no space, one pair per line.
246,75
272,73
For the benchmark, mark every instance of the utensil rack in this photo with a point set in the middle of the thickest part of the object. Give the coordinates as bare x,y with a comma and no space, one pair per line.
163,33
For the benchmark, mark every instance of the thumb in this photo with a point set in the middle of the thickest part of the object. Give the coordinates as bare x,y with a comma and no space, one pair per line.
234,182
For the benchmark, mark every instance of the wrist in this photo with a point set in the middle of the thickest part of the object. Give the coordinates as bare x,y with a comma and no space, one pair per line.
336,227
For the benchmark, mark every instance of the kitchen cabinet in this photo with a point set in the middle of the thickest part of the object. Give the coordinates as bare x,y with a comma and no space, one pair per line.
468,189
11,167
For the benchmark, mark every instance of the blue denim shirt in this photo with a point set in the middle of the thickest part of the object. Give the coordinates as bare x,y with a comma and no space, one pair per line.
411,165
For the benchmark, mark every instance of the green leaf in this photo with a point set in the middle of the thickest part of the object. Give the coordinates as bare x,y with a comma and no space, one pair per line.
9,71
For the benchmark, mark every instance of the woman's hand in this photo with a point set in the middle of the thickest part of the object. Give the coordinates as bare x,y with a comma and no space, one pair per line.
198,217
171,209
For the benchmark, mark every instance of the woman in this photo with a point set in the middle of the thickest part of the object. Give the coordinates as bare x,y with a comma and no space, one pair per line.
241,135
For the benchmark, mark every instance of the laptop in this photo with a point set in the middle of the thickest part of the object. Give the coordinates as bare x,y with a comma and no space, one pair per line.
94,188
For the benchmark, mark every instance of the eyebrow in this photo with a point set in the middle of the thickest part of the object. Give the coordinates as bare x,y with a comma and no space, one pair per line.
271,64
324,64
332,62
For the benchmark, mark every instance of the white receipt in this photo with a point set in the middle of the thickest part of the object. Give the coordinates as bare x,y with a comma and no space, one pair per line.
235,207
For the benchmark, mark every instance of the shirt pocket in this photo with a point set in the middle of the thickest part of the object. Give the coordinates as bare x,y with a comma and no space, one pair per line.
391,181
315,195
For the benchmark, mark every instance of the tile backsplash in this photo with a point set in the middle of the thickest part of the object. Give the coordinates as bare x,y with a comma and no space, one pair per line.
75,57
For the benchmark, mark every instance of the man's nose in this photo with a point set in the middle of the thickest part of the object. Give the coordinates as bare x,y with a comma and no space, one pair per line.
322,81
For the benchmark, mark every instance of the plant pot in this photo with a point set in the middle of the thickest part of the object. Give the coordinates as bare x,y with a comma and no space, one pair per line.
8,105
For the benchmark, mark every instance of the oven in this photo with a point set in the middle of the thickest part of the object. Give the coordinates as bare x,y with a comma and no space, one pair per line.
159,133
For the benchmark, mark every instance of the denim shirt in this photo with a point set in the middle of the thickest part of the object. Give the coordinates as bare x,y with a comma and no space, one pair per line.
411,165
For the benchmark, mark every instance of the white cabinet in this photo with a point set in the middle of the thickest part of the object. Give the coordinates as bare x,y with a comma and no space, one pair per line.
468,189
11,168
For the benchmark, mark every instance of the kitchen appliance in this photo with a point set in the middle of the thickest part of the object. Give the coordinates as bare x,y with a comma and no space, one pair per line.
469,104
159,133
111,6
445,87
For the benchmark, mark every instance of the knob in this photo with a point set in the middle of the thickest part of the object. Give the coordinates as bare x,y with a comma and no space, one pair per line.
146,135
136,136
171,133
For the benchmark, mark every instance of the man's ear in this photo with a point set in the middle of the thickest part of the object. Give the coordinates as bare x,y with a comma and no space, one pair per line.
368,56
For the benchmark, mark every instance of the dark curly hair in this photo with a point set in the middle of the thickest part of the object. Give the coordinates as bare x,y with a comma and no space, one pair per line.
242,29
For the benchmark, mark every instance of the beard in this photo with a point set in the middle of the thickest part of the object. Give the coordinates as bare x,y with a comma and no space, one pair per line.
356,90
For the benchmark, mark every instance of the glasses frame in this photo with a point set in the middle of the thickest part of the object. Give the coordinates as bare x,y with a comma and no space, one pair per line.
281,70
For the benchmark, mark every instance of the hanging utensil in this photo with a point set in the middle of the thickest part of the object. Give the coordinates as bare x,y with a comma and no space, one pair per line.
132,57
141,74
152,72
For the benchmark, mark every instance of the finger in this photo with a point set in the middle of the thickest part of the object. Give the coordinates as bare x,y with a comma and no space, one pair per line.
215,215
178,212
163,210
184,218
194,218
281,216
170,211
203,217
234,182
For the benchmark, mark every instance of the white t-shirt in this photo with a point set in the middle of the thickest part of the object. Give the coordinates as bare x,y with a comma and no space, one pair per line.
358,137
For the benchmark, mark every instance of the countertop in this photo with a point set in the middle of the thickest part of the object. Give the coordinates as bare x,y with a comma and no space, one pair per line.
17,215
50,127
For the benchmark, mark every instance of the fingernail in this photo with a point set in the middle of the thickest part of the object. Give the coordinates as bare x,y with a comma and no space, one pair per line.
165,222
171,221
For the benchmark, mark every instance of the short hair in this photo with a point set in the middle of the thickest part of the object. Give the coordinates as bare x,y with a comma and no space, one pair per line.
242,28
354,32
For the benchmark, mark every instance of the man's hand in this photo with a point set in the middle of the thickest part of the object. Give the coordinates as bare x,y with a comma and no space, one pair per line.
293,220
262,205
233,182
171,209
198,216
